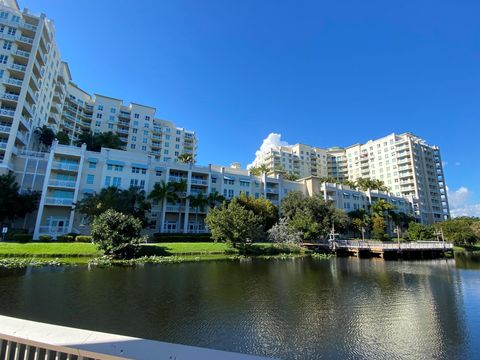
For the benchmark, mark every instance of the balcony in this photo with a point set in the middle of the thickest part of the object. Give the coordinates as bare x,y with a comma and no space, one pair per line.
124,123
23,137
199,182
122,131
22,53
271,191
26,122
25,39
9,96
62,183
176,178
3,145
58,201
57,165
174,208
28,26
18,67
5,129
7,112
13,81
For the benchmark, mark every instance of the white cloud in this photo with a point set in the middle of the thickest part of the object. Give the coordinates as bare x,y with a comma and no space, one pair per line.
444,163
458,163
460,205
272,140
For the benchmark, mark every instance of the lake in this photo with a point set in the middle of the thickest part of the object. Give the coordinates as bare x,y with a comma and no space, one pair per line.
293,309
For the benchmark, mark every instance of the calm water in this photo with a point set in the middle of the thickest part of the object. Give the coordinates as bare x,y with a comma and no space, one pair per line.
302,308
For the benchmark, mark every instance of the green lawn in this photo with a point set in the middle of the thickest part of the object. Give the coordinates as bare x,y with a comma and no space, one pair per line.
188,248
48,249
65,250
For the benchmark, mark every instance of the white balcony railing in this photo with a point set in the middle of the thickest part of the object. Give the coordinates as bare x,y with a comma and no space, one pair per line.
62,183
58,201
64,166
5,129
199,182
13,81
7,112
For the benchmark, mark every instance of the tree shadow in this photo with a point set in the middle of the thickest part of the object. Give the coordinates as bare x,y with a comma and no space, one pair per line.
148,250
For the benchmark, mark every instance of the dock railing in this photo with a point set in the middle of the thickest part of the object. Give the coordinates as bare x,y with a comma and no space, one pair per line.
413,245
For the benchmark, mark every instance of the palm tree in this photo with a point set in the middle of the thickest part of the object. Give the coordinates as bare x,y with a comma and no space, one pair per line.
86,137
197,201
186,158
63,138
45,136
162,192
214,199
180,189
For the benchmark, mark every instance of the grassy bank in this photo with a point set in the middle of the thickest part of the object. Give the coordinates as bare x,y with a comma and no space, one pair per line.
473,248
37,254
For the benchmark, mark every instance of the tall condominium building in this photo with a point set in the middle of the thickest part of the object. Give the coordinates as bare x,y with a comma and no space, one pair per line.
37,90
407,165
136,124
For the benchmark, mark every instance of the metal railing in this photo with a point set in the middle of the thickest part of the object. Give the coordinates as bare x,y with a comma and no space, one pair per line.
64,166
62,183
58,201
368,245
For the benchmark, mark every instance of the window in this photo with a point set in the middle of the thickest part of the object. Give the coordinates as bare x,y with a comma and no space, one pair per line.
111,118
137,116
98,123
147,118
165,151
145,140
110,126
145,132
167,137
134,138
92,165
113,110
12,31
90,179
177,146
99,116
158,173
146,125
137,170
178,132
15,18
135,123
230,193
214,180
107,180
132,146
167,144
7,45
117,181
3,15
142,183
100,107
144,148
229,181
118,168
3,59
134,131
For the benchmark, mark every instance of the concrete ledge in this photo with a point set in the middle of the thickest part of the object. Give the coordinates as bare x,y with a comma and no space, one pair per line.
86,343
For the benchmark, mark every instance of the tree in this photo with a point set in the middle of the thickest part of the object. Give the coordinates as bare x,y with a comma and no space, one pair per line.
419,232
95,142
261,207
383,208
162,192
291,177
214,199
234,224
63,138
129,202
13,204
360,220
186,158
460,231
259,170
373,184
283,234
312,216
45,136
198,202
379,228
117,234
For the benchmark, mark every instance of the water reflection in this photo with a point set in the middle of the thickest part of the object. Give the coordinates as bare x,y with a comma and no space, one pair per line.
298,308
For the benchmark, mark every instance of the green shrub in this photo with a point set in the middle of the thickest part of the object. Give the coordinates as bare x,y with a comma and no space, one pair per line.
12,232
83,239
117,234
65,238
22,238
45,238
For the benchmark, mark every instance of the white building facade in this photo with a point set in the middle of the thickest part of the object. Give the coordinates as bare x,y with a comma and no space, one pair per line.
407,165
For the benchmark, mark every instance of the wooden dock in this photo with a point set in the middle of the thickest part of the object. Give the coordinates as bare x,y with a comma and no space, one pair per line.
387,250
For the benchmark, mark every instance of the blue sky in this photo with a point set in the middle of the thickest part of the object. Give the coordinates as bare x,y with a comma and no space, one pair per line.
317,72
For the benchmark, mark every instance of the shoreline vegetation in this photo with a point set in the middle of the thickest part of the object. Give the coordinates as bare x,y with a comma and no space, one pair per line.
18,255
